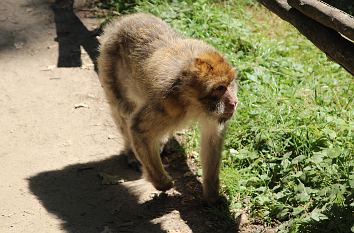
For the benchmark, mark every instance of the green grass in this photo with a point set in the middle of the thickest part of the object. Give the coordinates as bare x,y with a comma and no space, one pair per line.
288,155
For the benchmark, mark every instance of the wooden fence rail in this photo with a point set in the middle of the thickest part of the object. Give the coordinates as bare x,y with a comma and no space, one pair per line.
322,31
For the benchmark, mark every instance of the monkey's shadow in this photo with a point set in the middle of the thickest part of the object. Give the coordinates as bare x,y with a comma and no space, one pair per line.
78,197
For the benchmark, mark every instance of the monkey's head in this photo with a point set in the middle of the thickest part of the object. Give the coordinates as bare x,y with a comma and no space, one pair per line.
214,84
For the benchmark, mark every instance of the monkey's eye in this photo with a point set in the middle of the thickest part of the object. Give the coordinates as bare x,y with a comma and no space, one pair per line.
219,90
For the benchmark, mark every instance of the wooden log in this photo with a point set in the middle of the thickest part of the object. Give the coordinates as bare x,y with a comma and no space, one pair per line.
327,15
326,39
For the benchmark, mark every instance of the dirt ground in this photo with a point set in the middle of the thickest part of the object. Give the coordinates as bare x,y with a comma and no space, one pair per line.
60,168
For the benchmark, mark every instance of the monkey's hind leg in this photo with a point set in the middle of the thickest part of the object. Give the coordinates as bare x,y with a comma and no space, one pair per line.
122,126
146,131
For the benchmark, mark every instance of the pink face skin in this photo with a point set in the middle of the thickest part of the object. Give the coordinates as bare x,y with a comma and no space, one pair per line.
227,100
230,102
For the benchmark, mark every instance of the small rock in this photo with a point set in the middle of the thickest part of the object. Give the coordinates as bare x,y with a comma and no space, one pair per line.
49,68
67,143
173,192
193,154
153,195
19,45
174,231
242,219
52,46
110,180
81,105
91,96
270,230
111,137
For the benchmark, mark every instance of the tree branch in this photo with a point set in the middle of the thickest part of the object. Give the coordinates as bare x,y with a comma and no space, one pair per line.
326,39
327,15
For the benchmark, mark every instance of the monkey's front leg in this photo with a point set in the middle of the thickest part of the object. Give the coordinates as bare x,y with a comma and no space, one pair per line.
146,131
211,147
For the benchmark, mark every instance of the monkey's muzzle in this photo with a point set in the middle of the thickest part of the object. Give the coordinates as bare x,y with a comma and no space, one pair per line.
230,108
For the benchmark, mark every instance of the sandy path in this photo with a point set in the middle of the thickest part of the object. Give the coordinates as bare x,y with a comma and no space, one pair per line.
52,153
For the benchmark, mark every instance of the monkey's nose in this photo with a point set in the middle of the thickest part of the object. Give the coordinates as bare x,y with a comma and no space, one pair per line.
232,105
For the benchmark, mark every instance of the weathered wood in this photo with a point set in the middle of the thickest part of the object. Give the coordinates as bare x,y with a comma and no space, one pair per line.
327,15
326,39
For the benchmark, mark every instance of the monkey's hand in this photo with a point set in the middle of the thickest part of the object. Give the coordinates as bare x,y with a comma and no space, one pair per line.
162,183
211,191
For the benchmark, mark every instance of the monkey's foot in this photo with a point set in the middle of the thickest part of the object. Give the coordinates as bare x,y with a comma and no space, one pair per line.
215,201
212,199
163,184
211,191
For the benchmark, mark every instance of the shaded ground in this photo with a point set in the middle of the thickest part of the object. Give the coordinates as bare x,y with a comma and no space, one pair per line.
58,138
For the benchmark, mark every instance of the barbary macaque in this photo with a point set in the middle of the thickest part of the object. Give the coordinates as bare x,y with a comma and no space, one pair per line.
156,82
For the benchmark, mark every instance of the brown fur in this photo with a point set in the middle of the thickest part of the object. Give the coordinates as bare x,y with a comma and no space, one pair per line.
214,69
156,81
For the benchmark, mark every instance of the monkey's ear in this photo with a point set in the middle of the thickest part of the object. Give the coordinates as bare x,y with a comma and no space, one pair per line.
202,65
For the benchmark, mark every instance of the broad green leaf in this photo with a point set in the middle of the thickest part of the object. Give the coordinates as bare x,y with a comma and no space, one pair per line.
317,215
351,181
283,214
298,210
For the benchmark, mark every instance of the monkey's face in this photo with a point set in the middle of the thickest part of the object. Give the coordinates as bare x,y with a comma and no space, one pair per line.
214,82
221,101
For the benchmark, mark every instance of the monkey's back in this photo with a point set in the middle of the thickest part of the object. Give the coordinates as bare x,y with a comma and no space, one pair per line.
147,51
127,44
137,36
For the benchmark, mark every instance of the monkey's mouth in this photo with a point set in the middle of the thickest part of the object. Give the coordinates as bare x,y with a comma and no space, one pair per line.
226,116
229,111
